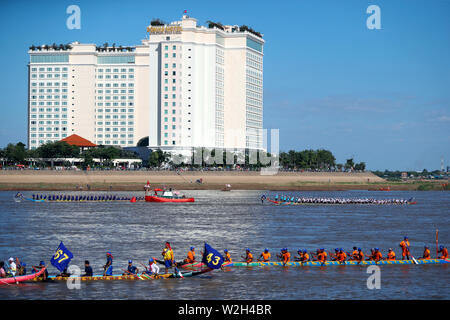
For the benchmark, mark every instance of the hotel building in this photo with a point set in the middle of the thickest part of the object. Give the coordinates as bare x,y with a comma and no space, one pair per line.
184,86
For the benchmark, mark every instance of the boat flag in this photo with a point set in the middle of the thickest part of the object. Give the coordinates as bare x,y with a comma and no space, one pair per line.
61,258
212,258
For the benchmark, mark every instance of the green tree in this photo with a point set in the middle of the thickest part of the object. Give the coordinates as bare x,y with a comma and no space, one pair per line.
15,153
158,158
349,164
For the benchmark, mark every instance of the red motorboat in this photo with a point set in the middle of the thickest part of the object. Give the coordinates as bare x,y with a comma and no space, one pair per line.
160,195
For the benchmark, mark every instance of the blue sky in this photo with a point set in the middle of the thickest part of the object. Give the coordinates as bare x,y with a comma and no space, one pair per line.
381,96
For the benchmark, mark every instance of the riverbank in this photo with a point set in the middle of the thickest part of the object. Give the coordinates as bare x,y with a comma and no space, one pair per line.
239,180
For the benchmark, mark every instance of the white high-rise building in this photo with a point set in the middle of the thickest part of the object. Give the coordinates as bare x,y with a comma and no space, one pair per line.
185,86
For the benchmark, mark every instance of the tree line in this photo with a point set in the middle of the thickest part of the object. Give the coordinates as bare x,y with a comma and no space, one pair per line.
17,154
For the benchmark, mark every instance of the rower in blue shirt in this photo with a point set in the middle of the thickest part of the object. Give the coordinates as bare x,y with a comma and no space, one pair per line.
131,269
87,269
108,266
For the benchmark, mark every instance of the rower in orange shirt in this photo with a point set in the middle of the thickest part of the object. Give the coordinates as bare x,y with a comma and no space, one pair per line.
426,253
341,256
405,248
265,256
227,257
354,255
248,256
190,256
305,256
444,252
285,256
360,256
377,255
322,255
390,255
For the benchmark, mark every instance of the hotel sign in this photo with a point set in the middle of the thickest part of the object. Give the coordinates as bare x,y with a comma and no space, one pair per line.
164,29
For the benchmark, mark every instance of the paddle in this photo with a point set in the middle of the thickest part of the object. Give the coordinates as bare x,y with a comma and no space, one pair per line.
131,273
412,257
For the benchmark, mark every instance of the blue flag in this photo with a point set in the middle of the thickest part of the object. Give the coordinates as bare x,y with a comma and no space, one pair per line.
211,257
61,258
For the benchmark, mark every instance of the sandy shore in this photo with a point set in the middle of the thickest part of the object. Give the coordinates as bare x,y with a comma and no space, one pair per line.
134,180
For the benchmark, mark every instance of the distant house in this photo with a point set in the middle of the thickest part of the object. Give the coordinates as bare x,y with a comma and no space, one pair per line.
82,143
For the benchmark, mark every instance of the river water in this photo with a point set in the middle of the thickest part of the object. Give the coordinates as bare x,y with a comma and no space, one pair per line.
234,220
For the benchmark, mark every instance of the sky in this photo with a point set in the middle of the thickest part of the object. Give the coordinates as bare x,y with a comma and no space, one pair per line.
380,96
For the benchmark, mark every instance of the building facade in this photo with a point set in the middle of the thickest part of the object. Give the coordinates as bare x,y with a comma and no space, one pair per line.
185,86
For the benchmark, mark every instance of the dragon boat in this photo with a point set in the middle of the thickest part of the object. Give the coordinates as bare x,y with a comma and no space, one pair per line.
128,276
335,202
336,263
18,279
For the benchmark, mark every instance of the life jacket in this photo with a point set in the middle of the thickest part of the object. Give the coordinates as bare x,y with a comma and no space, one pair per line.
444,253
249,257
377,256
286,257
321,256
404,245
305,257
191,256
426,254
340,256
266,256
168,254
391,255
360,256
228,257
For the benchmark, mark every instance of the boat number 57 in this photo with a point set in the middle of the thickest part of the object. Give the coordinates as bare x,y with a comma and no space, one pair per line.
58,254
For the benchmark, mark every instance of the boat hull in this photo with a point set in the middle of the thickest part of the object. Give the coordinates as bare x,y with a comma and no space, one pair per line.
162,199
128,277
22,278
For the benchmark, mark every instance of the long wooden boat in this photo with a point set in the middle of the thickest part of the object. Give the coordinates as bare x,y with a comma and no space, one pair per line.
21,278
336,263
129,277
292,203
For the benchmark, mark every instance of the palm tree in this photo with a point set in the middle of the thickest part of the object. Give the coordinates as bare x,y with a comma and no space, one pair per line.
105,45
39,48
67,46
54,47
114,47
61,47
97,48
120,48
46,47
129,49
32,48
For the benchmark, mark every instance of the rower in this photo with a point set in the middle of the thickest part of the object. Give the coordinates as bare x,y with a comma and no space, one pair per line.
354,254
190,256
405,248
131,269
248,256
426,253
390,255
41,265
2,269
305,256
322,255
444,252
167,254
227,257
87,269
108,268
65,273
377,255
12,267
265,256
153,268
360,256
372,254
300,255
341,256
286,256
334,256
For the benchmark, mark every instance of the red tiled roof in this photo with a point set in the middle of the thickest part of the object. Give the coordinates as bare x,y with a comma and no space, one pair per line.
78,141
